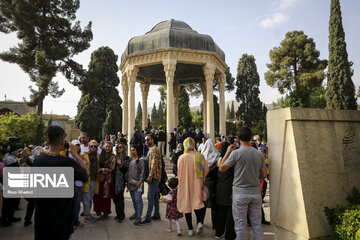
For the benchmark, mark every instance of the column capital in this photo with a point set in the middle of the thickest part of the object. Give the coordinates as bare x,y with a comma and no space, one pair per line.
169,69
144,89
131,72
124,84
221,82
209,71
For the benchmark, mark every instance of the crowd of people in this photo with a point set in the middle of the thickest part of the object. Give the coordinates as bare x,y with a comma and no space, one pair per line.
227,175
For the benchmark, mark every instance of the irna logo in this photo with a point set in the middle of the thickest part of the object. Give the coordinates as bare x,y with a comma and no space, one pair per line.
33,180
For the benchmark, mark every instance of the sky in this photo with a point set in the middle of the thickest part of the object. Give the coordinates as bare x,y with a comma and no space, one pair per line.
238,27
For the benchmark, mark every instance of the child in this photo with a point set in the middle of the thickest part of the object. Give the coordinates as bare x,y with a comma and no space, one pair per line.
171,210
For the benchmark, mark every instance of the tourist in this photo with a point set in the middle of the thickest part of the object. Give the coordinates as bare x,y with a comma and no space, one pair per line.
162,141
211,158
172,143
103,186
121,168
77,189
53,216
174,158
192,171
88,189
84,138
172,213
248,165
202,145
136,182
225,220
153,179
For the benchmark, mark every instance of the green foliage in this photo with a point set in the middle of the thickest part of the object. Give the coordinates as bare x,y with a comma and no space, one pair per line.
139,113
25,127
100,96
249,112
197,120
49,39
340,92
295,66
231,128
154,115
232,111
228,114
345,219
185,118
303,99
161,114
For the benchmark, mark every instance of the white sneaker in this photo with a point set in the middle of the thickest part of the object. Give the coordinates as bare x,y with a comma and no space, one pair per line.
216,237
190,233
169,230
200,228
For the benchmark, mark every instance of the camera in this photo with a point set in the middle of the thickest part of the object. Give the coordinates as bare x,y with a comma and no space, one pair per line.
14,144
66,145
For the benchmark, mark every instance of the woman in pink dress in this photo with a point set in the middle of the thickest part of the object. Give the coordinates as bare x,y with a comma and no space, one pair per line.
192,171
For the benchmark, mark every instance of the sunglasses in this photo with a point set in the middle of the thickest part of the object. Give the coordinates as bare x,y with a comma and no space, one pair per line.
147,140
120,146
93,146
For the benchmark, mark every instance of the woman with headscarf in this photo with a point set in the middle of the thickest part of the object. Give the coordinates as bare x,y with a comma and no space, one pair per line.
119,179
103,187
211,156
225,220
192,171
174,158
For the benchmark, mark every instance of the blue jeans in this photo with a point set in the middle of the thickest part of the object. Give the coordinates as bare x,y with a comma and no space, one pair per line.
136,198
77,200
153,198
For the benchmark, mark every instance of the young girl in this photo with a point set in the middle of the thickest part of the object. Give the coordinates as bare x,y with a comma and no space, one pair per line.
171,210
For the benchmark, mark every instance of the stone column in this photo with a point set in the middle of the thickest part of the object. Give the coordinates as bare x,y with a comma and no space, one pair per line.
222,117
131,76
176,105
144,91
169,69
203,90
209,72
125,89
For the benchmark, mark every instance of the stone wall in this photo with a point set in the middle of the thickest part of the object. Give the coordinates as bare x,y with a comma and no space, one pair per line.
314,159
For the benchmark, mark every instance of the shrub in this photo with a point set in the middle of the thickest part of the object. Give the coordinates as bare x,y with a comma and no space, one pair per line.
345,219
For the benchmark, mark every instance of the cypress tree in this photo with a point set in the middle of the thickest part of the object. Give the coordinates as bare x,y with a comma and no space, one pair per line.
340,92
139,112
100,96
154,115
228,113
185,118
247,83
232,111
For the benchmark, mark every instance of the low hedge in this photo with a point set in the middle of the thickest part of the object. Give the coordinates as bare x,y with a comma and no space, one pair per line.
345,219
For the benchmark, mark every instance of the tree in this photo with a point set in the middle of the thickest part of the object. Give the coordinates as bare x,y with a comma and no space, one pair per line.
50,38
228,113
100,96
185,118
13,125
232,111
247,91
161,118
154,115
340,92
139,112
295,65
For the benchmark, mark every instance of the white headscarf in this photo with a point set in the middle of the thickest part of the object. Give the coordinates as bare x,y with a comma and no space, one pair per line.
210,152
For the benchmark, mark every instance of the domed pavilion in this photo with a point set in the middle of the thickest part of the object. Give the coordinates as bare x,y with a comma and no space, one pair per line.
172,54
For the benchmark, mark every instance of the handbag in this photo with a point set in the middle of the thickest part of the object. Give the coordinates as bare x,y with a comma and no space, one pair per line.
204,190
204,193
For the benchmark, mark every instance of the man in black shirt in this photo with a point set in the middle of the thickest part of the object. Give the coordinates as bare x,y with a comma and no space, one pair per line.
53,216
